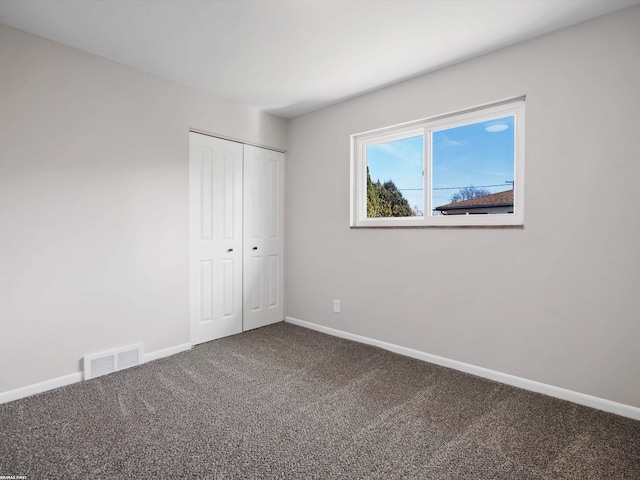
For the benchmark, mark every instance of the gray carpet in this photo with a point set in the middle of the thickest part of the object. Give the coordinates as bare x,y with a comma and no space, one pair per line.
288,402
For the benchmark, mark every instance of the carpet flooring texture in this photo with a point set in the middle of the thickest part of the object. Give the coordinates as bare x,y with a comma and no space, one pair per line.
291,403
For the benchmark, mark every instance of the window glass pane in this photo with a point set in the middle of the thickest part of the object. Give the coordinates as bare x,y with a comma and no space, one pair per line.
394,178
473,168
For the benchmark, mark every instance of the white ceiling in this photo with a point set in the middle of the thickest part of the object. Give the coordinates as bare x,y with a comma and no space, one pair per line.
293,56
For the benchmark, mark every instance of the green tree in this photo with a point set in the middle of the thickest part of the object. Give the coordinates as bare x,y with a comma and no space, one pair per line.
373,203
385,200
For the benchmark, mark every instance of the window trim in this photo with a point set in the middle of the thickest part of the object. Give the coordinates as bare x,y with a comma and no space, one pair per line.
358,181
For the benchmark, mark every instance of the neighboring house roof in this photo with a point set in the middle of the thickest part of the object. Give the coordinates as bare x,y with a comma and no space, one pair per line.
500,199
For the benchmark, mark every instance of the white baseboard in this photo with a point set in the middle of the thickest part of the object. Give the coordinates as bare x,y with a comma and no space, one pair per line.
557,392
65,380
165,352
35,388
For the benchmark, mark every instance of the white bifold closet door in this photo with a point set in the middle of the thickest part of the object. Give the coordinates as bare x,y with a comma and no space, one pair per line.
263,278
236,205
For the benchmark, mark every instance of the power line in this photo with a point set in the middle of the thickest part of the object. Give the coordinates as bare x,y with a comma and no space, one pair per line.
457,188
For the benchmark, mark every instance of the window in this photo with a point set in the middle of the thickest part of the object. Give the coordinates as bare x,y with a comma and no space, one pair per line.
460,169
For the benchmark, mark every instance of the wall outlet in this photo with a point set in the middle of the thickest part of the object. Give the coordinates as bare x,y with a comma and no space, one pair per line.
336,306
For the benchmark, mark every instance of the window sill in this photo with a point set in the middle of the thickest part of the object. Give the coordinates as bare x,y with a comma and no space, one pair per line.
376,227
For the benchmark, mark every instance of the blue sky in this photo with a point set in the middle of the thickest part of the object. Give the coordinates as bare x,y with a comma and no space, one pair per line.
400,161
462,156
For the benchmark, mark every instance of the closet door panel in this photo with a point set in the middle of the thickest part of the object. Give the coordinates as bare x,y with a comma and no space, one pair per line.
215,238
263,237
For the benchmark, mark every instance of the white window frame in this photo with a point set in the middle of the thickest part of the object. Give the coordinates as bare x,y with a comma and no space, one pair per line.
425,127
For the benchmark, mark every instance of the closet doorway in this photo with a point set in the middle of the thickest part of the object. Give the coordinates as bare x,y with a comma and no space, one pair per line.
236,237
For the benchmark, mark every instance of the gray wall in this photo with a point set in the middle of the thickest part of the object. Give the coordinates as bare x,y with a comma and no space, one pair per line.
556,302
94,204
